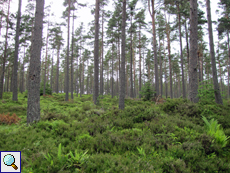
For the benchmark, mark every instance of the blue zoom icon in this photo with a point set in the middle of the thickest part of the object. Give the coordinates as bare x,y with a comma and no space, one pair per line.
9,160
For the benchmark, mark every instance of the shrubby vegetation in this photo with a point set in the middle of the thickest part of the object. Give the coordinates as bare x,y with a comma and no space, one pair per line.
77,136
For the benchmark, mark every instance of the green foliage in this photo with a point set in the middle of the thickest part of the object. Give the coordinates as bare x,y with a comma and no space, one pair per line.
147,92
48,89
206,93
77,136
215,130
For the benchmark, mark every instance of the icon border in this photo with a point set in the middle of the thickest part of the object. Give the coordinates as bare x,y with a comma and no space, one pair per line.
11,152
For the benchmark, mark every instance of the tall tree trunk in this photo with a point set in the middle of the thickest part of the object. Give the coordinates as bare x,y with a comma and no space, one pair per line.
71,87
134,74
22,74
193,83
96,53
5,53
77,81
154,47
169,55
15,71
131,62
228,64
57,70
160,61
139,60
181,52
112,71
212,53
166,86
67,59
33,104
122,70
44,79
102,49
51,76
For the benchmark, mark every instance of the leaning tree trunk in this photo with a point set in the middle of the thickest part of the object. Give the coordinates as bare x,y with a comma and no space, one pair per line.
33,104
212,53
193,83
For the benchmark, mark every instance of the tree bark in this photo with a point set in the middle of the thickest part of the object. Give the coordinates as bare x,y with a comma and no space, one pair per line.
102,49
44,79
193,83
181,52
212,53
139,60
57,70
96,53
33,104
122,70
154,47
71,88
5,54
15,71
131,62
67,59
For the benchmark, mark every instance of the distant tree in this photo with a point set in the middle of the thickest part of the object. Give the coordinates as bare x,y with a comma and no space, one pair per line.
5,53
212,53
15,71
33,104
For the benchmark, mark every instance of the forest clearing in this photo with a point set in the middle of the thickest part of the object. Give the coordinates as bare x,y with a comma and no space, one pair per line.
122,86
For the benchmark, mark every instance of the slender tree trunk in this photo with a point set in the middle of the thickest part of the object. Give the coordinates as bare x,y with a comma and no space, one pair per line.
134,75
139,60
122,70
15,71
102,49
33,104
212,53
44,79
154,47
193,83
181,52
57,70
131,62
96,53
160,61
228,64
5,53
112,70
51,76
22,74
67,59
72,59
169,55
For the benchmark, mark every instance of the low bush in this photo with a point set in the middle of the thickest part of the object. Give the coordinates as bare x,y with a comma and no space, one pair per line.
7,119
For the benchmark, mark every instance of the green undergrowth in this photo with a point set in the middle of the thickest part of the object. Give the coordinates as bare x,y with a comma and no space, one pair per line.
77,136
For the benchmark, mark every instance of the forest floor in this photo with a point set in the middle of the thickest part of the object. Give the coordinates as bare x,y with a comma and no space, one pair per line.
77,136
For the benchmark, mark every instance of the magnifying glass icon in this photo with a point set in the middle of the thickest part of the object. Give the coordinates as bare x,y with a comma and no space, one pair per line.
9,160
